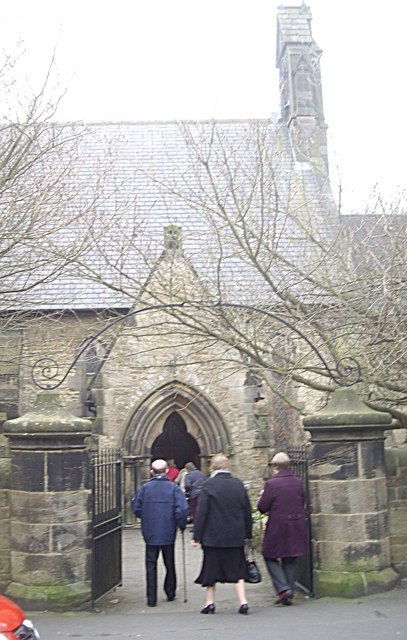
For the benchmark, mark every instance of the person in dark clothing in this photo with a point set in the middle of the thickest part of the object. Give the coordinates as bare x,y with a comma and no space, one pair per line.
285,538
223,521
162,507
193,483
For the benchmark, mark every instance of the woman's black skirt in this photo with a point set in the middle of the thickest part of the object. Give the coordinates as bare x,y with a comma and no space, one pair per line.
222,564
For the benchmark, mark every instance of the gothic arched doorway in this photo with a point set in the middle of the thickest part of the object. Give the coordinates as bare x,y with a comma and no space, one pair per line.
194,431
202,421
175,442
201,424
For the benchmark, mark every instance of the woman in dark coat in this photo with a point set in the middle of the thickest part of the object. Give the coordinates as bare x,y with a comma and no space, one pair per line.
222,523
285,538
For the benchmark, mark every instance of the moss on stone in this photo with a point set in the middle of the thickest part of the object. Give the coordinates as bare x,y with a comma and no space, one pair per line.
352,584
338,584
52,598
378,581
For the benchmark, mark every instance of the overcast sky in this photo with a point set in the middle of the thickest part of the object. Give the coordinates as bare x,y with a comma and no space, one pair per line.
177,59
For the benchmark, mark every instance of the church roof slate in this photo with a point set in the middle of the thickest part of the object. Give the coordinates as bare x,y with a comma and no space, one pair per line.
151,178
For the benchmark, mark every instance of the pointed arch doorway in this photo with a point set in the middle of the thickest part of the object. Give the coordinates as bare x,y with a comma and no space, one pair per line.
176,443
175,420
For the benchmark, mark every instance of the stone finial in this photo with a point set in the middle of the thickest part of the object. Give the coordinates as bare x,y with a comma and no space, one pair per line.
172,237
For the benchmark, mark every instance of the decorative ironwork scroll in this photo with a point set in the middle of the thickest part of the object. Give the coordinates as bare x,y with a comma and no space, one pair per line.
345,373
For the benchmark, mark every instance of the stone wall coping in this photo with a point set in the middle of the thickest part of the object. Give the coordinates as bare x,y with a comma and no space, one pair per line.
48,416
347,433
346,410
48,441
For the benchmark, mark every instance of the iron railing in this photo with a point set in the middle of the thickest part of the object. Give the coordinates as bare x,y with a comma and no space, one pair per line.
299,467
105,466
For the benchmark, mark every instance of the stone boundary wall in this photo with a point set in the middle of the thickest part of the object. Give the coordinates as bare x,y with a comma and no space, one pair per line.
5,550
396,472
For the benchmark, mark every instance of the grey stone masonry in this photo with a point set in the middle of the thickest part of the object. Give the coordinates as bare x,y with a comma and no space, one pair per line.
396,467
49,507
298,61
5,550
350,523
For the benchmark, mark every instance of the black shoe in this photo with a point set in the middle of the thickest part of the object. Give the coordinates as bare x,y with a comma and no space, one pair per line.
170,598
285,597
151,604
244,609
210,608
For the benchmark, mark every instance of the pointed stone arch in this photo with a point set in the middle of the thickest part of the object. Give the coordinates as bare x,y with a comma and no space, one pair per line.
175,443
204,422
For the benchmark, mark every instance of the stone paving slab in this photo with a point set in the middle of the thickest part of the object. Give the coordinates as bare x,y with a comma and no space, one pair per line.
123,614
131,597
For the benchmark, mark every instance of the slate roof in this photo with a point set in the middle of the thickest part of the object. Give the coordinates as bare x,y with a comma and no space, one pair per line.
144,166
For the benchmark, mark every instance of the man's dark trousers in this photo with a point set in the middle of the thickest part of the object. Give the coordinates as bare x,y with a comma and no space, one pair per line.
170,582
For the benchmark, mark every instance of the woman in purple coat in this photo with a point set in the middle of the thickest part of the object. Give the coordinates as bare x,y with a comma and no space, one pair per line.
285,538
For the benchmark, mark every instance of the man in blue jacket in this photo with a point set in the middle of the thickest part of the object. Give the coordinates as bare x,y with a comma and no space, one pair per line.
162,507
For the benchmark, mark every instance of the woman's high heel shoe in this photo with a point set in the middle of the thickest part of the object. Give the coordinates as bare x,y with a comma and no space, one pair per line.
210,608
244,609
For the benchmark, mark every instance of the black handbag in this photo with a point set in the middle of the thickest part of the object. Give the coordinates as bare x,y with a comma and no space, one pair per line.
253,575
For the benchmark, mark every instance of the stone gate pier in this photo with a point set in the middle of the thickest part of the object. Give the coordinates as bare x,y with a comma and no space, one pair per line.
49,507
348,492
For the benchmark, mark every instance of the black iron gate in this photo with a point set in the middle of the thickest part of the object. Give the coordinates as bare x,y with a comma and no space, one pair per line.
299,466
105,467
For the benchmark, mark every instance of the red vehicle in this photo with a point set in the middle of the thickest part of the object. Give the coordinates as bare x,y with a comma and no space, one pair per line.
13,623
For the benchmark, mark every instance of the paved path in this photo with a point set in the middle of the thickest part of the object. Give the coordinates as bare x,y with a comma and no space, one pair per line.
123,615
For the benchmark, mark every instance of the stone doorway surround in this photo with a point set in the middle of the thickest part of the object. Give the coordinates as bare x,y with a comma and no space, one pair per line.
203,422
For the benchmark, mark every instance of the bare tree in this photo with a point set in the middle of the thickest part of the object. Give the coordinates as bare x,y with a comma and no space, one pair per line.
271,274
300,287
51,186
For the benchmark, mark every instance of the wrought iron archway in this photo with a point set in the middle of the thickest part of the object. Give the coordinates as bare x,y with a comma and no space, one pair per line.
346,371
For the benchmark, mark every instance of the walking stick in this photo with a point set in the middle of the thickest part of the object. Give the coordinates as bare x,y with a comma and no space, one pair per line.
184,567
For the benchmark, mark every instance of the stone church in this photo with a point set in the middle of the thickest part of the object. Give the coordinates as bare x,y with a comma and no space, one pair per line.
146,388
159,317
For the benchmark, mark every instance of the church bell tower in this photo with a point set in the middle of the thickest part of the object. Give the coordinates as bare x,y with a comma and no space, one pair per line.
298,61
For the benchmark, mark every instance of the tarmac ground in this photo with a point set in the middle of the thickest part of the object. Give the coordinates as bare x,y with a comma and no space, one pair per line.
123,614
